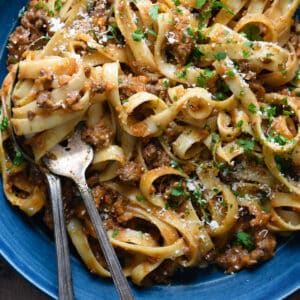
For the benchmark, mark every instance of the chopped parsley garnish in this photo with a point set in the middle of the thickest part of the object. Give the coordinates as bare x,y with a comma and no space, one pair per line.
175,164
288,112
220,4
296,78
214,4
252,33
178,191
115,233
223,90
113,32
3,124
196,195
246,54
247,145
248,44
200,3
153,12
284,100
45,7
14,60
183,73
201,35
269,54
271,112
19,159
239,124
244,239
176,2
151,32
208,73
191,32
202,203
278,139
196,54
223,203
201,79
140,198
230,73
252,108
201,82
160,128
220,55
284,72
215,138
138,35
58,5
47,37
166,83
220,95
223,167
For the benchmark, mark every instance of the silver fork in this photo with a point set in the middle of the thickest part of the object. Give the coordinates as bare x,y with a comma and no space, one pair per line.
72,161
65,285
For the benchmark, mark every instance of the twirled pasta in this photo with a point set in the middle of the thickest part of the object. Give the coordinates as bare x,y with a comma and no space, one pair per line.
192,109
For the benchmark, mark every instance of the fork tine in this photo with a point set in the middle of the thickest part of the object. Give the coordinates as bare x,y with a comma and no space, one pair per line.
65,285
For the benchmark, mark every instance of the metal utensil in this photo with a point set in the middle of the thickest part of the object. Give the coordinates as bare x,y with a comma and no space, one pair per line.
72,161
65,285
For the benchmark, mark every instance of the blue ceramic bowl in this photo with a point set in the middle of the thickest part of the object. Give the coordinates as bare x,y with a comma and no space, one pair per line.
31,251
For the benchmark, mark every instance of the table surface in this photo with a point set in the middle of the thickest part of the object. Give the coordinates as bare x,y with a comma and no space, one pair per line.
14,287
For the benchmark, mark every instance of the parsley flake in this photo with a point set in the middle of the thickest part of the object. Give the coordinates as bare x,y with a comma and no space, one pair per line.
3,124
252,33
176,165
244,239
115,233
220,4
239,124
140,198
220,55
58,5
138,35
45,7
177,192
246,54
247,145
252,108
153,13
19,159
200,3
230,73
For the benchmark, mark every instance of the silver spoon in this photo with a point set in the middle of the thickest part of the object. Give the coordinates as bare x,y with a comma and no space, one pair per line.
65,285
72,161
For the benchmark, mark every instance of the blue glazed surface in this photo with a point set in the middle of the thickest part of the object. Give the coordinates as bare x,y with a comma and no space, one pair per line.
31,252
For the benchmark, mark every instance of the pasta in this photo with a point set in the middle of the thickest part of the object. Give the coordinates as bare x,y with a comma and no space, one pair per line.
192,109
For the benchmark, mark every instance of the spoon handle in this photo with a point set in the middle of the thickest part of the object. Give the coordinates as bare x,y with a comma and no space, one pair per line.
65,286
109,253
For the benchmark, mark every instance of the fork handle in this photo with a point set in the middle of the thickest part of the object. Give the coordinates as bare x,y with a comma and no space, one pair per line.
65,286
109,253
